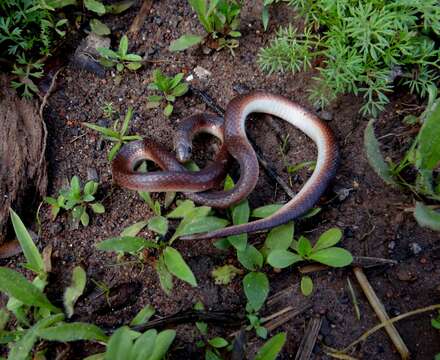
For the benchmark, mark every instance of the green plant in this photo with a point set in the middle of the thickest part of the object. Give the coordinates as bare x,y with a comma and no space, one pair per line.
423,156
114,135
76,200
220,18
363,47
170,88
120,58
108,111
271,348
169,261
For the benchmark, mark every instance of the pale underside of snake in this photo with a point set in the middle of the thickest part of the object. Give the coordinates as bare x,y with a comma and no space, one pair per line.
235,142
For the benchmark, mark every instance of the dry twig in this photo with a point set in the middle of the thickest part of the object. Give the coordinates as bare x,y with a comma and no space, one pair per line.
138,21
308,341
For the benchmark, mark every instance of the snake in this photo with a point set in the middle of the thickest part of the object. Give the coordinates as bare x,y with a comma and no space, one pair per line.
237,145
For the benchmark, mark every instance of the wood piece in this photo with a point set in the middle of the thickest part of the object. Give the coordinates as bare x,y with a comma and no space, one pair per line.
381,313
272,325
367,262
210,102
139,20
308,341
23,176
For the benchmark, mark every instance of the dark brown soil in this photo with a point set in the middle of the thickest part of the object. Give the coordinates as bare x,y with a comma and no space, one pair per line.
371,216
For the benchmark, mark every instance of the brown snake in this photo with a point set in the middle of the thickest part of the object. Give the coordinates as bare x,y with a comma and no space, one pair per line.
176,178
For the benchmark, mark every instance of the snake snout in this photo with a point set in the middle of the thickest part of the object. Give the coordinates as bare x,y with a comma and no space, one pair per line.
183,152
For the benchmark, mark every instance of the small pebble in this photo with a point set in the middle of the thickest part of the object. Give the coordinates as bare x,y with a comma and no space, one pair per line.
202,73
240,88
415,248
326,115
391,245
92,175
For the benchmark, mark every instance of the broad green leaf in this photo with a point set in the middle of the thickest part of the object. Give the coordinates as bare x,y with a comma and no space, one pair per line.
129,244
265,211
240,215
271,349
97,208
119,7
168,110
134,229
201,225
334,256
218,342
144,345
374,155
133,65
427,217
180,90
158,224
143,316
265,17
328,239
176,80
306,285
256,289
21,349
177,266
223,275
304,247
280,237
90,188
99,27
282,258
65,332
193,215
108,56
75,290
163,342
33,257
210,355
84,218
250,258
165,277
182,210
123,46
120,344
16,285
199,7
428,143
95,6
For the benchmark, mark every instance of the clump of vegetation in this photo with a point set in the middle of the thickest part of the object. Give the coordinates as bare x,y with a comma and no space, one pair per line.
418,170
364,48
221,20
120,58
115,135
170,87
77,201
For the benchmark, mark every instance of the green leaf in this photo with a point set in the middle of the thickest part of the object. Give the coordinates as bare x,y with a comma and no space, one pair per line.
99,27
165,277
120,344
119,7
104,131
65,332
155,98
374,155
282,258
265,211
123,46
194,224
265,17
427,217
127,118
256,289
280,237
306,285
271,349
114,150
177,266
119,67
250,258
328,239
223,275
334,256
30,251
184,42
304,247
15,285
218,342
168,110
129,244
134,229
75,290
4,318
95,6
143,316
428,144
182,210
97,208
163,342
90,188
133,65
84,218
158,224
144,346
180,90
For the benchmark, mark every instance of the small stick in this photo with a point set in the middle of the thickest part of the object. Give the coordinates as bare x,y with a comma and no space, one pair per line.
367,262
308,341
272,325
278,313
140,17
306,269
353,299
381,313
210,102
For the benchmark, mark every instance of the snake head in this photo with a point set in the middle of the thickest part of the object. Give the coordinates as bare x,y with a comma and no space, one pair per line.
183,152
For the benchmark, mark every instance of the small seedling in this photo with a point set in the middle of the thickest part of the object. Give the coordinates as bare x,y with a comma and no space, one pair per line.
108,111
116,135
223,275
26,71
220,19
170,87
120,58
76,200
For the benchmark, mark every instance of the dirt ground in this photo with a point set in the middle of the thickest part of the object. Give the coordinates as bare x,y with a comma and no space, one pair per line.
370,214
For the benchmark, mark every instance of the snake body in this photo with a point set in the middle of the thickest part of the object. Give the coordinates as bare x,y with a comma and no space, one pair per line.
237,144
